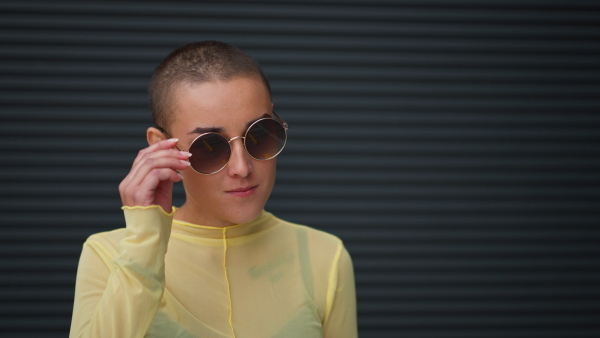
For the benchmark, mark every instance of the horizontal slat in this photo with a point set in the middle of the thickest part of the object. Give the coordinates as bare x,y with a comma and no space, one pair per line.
513,10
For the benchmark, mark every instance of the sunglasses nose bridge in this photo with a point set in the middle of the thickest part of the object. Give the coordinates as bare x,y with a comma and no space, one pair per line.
235,138
243,138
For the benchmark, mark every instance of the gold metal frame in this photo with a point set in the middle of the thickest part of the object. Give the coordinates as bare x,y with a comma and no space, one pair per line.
282,123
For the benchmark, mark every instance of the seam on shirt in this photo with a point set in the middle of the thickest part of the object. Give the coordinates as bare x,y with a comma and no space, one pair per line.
227,281
332,283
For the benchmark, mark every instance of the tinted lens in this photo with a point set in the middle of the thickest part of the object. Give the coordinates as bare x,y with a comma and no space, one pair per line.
210,153
265,139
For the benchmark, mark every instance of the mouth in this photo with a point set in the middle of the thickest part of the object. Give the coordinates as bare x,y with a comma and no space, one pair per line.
242,192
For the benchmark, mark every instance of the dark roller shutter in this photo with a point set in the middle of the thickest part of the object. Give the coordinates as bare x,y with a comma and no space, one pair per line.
453,145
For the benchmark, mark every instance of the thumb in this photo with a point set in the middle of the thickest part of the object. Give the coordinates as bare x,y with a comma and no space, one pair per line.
164,193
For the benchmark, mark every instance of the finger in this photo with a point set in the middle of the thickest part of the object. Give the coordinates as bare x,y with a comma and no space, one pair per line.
136,176
150,164
163,195
160,155
170,153
145,194
164,144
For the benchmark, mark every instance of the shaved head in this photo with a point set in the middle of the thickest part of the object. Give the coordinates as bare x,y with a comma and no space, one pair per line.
197,62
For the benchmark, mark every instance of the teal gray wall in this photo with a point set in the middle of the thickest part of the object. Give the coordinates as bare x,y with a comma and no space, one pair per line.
453,145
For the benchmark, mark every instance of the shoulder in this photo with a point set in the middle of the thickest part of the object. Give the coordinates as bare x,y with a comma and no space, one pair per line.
105,242
313,233
107,236
318,242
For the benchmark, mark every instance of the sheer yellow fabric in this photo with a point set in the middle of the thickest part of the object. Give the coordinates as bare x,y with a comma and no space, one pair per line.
164,278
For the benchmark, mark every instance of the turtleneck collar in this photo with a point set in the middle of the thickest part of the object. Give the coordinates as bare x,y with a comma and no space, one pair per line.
264,222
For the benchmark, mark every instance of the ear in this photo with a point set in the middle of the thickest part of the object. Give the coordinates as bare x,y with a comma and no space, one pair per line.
154,135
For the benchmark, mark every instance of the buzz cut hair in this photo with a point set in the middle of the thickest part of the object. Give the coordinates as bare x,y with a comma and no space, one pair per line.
197,62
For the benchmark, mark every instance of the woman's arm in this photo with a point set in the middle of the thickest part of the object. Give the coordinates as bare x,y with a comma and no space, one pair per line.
120,297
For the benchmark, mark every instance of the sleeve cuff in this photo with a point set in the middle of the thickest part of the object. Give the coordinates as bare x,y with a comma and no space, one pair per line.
125,207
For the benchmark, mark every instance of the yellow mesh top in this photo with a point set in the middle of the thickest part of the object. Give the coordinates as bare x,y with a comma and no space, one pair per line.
164,278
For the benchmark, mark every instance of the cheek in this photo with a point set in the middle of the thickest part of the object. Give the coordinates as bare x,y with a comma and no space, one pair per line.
188,174
264,171
268,171
194,182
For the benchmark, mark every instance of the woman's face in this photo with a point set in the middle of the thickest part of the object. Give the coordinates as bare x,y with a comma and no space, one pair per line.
238,193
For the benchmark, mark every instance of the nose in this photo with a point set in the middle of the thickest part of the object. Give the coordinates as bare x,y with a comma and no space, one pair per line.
240,163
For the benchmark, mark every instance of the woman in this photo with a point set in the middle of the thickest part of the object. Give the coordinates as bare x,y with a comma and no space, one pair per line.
218,266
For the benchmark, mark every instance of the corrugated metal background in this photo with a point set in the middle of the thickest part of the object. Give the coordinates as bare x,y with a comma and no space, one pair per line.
453,145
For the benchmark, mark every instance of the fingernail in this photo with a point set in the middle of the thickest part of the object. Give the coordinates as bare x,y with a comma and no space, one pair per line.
185,153
185,162
173,140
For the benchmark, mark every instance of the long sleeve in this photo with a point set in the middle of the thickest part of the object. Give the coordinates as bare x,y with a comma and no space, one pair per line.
119,297
340,321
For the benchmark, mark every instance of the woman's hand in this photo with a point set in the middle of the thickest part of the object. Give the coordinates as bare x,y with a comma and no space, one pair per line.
150,181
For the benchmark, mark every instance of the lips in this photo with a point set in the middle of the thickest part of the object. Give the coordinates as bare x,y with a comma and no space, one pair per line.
242,192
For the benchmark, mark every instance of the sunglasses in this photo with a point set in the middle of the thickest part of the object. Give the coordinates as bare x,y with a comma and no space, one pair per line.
264,140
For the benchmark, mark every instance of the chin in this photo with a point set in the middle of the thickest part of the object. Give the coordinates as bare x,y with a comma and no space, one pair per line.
245,216
247,211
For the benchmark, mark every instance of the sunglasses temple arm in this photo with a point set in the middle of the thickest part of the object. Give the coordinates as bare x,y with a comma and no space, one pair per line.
169,136
285,125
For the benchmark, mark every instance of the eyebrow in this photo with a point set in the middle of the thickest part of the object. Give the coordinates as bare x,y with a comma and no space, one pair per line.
200,130
220,130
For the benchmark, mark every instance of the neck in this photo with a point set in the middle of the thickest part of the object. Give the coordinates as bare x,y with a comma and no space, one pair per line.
187,213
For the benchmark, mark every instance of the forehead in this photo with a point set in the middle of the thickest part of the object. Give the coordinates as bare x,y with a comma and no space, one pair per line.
219,103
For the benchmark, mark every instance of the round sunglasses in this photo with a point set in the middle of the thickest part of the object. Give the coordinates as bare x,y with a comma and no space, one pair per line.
264,140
